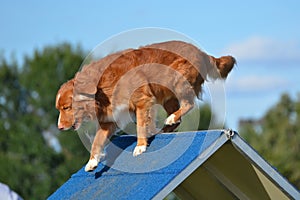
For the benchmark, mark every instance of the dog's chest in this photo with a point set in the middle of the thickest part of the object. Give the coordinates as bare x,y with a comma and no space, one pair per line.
121,115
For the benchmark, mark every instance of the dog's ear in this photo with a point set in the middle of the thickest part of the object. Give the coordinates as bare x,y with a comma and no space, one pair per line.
225,65
86,82
67,85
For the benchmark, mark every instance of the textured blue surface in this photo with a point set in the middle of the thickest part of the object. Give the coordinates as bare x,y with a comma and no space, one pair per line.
122,176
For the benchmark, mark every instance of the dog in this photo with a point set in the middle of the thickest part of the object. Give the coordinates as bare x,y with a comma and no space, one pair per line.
131,82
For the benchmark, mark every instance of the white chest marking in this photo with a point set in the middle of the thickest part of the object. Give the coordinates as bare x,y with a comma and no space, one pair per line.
122,116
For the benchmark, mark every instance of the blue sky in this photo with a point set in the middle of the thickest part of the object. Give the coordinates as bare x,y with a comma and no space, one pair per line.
264,36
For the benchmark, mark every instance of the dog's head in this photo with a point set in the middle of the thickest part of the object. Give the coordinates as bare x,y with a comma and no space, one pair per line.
74,107
64,100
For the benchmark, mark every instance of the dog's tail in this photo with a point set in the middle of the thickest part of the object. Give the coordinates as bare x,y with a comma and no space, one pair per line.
224,64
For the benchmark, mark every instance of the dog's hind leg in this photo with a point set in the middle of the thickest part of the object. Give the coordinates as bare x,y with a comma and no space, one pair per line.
174,118
171,106
186,96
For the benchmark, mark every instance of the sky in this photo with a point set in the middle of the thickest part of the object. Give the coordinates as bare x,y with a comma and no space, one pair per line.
263,36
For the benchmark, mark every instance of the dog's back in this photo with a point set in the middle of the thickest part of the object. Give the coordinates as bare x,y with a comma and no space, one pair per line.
161,64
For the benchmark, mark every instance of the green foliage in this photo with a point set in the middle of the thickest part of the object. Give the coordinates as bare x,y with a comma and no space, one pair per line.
277,137
200,118
27,97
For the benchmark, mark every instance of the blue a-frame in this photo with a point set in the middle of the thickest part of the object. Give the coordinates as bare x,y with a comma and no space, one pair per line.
214,164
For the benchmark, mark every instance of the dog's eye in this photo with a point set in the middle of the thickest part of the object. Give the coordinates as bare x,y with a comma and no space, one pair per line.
66,107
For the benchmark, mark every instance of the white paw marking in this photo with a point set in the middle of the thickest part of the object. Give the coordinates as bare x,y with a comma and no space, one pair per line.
91,165
171,120
138,150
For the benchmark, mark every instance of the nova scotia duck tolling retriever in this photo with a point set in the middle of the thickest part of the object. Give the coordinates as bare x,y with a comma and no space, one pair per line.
129,83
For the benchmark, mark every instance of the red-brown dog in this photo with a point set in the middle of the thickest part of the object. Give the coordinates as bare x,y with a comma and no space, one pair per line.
132,82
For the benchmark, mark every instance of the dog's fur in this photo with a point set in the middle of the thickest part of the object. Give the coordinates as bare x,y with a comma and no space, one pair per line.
132,82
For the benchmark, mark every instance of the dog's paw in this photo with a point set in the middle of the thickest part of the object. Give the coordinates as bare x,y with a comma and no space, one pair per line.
138,150
91,165
171,120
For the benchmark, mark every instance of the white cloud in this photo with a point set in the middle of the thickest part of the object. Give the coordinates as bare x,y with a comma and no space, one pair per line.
260,49
253,84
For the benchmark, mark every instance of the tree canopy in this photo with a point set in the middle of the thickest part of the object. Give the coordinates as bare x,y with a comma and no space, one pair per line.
277,137
27,97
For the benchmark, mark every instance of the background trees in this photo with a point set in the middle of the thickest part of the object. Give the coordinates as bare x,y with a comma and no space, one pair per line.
277,137
30,163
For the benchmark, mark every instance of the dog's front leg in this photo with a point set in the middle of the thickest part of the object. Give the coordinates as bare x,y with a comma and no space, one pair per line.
145,118
101,139
142,140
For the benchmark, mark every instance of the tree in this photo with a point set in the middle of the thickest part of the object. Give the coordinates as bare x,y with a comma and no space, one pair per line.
42,75
277,137
27,97
18,158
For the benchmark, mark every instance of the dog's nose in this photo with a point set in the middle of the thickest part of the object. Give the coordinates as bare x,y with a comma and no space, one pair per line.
60,127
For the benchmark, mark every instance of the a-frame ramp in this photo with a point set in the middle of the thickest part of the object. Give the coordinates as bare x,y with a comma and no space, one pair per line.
214,164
